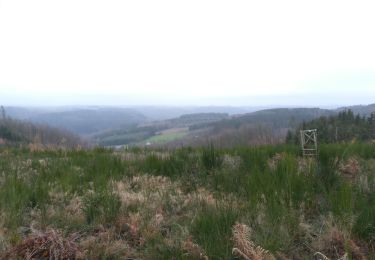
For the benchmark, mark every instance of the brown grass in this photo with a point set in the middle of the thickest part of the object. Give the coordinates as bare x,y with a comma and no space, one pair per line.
274,161
334,244
350,168
244,247
49,245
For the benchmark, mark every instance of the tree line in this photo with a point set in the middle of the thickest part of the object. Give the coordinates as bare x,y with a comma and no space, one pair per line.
342,127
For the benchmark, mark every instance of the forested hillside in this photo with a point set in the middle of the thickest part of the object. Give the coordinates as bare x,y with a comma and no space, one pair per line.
261,127
136,134
343,127
89,121
15,132
274,118
363,110
137,126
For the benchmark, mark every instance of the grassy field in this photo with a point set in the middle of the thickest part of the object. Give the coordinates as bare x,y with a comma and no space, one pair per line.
240,203
167,136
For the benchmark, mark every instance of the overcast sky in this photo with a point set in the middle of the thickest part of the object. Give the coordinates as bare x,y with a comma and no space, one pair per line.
204,52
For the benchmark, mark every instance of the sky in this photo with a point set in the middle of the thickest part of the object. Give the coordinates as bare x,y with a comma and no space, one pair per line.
196,52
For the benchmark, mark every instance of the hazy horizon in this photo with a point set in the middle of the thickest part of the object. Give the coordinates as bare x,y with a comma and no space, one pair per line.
328,101
196,53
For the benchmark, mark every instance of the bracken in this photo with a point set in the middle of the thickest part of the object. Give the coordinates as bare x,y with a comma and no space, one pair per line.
50,245
244,247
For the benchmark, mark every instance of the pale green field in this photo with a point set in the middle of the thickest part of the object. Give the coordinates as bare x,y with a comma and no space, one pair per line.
167,136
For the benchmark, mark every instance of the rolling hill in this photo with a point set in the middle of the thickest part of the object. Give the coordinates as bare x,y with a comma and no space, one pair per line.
153,125
82,121
363,110
16,132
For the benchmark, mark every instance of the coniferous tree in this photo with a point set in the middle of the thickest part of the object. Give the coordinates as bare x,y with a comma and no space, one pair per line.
343,127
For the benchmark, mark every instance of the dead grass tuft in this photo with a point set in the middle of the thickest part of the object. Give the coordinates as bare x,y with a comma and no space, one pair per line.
306,164
129,229
36,147
244,247
335,244
106,243
49,245
274,161
350,168
74,207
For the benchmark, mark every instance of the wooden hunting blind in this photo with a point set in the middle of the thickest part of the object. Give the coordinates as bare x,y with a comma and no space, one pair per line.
309,142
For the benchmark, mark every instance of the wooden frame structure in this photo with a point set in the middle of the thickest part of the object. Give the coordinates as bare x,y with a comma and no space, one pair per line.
309,142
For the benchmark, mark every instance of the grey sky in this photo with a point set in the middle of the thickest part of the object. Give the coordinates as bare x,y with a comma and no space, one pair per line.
186,52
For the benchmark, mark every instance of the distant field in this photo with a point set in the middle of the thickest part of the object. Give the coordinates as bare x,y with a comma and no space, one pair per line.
126,138
168,136
141,137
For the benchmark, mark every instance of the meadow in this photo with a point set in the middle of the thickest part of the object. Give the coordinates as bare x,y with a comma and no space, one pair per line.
167,136
263,202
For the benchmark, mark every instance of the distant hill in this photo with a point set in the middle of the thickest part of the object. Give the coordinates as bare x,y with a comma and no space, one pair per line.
82,121
146,130
261,127
193,119
20,112
363,110
273,118
135,125
94,120
13,132
158,113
